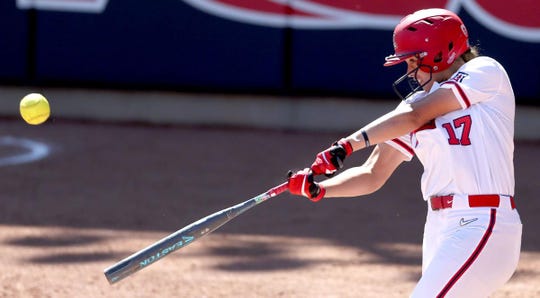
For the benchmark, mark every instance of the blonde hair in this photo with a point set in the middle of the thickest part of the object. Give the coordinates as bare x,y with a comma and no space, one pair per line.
470,54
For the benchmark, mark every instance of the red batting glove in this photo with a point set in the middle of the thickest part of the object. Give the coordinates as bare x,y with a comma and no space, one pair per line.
301,183
330,160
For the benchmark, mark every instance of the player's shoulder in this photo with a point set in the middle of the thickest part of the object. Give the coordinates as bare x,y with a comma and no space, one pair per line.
482,72
414,97
482,64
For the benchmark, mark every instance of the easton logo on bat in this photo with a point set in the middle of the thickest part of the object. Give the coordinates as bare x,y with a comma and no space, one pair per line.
185,240
518,21
203,226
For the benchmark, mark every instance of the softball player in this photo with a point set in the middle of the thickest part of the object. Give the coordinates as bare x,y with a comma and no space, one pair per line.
458,120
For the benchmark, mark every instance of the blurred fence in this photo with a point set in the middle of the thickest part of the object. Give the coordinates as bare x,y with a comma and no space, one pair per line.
280,47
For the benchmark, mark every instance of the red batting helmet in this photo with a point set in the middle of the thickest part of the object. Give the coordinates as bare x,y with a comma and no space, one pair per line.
435,36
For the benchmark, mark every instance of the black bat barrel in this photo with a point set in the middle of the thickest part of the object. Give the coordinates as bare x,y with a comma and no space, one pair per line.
175,241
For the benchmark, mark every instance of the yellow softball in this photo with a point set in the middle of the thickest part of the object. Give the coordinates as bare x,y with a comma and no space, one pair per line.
35,108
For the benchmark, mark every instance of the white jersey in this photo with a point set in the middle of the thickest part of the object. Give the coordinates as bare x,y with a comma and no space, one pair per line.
468,151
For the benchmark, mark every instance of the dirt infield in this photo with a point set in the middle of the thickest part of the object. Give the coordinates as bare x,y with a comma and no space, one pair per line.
104,191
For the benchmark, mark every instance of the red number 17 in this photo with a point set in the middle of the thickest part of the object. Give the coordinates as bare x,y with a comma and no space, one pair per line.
464,140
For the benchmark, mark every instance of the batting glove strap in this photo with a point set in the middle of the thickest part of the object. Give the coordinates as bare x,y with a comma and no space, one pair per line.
318,193
346,145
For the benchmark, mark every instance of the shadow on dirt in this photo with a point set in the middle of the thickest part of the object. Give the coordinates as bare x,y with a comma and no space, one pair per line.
160,178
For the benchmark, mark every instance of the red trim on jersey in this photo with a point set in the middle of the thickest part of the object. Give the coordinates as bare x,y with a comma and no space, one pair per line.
403,145
473,256
429,125
461,92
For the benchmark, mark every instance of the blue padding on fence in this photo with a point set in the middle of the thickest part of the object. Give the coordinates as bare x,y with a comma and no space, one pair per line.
158,43
13,42
169,43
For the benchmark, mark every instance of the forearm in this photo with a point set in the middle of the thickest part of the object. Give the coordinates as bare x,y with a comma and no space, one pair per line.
365,179
387,127
357,181
406,118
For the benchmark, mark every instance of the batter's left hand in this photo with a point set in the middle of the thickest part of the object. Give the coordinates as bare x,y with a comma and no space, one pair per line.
330,160
301,183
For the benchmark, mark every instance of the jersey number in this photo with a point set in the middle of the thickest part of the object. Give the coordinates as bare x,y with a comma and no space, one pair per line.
464,122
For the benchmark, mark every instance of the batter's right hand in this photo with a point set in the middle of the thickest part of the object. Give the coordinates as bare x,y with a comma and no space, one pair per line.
301,183
330,160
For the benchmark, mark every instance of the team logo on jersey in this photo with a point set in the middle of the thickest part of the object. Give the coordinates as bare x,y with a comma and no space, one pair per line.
516,21
459,76
89,6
